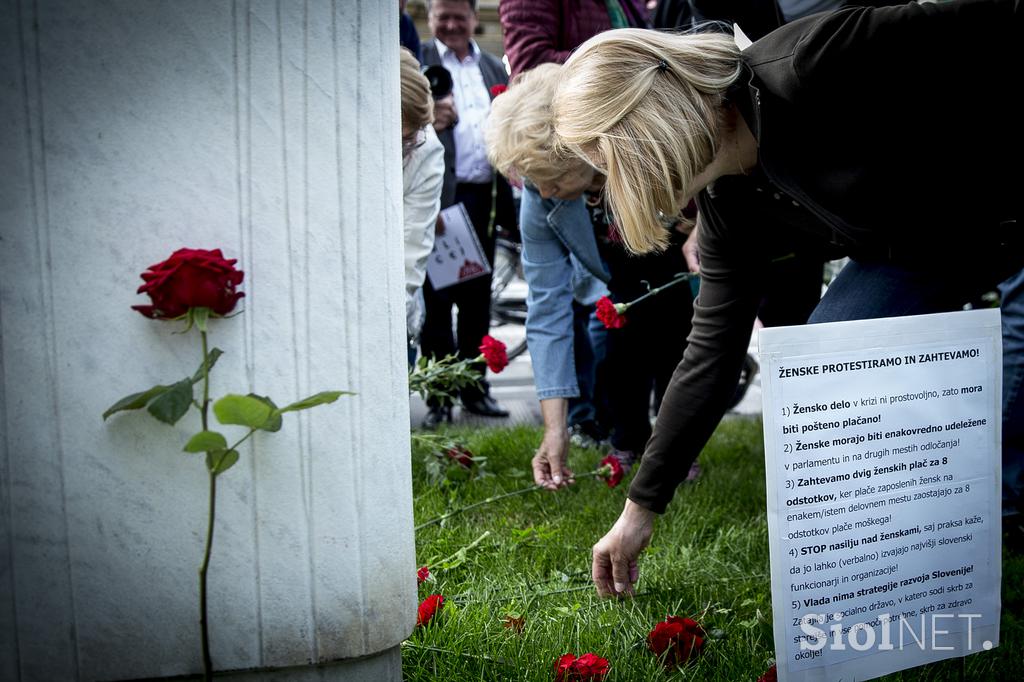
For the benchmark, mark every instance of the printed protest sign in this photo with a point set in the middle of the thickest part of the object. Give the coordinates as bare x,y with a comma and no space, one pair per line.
882,444
457,255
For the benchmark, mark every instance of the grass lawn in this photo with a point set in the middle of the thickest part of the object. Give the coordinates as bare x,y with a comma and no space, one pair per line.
528,556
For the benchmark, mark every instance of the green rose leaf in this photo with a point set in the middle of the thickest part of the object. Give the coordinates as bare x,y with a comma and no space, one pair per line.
220,461
243,410
206,441
272,424
322,398
209,362
172,404
135,401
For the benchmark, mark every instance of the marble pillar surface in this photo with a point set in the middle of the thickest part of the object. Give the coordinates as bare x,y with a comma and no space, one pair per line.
269,130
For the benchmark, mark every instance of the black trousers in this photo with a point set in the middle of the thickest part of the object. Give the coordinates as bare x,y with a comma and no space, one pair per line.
440,337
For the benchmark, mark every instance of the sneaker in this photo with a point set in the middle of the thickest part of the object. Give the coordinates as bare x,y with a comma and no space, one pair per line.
627,458
694,472
587,434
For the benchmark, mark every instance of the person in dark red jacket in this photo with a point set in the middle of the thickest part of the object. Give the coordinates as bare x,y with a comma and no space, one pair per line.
543,31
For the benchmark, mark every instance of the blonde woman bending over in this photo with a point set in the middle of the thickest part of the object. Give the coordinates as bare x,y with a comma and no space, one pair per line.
568,241
851,133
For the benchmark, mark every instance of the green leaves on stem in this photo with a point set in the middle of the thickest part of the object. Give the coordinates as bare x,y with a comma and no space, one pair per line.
167,403
444,378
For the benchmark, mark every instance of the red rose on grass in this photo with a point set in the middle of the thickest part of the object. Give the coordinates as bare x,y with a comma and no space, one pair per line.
587,667
422,574
494,353
191,278
609,313
429,608
611,470
497,89
679,640
770,675
460,455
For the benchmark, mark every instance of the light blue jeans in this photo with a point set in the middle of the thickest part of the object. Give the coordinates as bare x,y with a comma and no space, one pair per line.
871,290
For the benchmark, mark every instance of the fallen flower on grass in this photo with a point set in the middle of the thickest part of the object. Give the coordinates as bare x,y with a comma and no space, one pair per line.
422,574
677,640
514,623
461,456
770,675
610,469
587,667
604,471
428,608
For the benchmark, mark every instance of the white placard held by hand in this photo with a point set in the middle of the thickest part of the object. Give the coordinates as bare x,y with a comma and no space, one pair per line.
882,454
457,256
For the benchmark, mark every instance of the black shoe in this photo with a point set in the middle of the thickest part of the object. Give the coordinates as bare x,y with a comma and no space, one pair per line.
485,406
436,415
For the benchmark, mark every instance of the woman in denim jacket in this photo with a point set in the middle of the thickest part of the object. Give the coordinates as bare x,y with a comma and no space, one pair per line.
567,236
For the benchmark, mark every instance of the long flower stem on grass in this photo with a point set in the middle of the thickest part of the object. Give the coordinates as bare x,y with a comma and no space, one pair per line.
493,498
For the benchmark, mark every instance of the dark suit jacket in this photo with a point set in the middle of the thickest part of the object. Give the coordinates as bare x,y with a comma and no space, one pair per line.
493,72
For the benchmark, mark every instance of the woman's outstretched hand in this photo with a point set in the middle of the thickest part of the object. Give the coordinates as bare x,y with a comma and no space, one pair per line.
615,569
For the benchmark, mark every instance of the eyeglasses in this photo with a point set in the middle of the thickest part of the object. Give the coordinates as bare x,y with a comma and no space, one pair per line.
413,141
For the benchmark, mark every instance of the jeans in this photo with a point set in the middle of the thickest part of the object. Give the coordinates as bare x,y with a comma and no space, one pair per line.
872,290
1012,293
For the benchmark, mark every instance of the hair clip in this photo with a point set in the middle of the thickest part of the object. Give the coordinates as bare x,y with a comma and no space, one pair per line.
662,65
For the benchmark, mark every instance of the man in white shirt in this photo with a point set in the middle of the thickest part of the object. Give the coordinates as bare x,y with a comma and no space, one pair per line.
470,180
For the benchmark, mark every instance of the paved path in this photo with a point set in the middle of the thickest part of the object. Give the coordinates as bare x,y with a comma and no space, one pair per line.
514,389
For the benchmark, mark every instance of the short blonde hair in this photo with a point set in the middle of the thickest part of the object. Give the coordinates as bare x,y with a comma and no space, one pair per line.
647,106
417,104
520,132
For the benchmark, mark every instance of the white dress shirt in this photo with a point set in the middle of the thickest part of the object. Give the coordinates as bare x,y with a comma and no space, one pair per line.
472,104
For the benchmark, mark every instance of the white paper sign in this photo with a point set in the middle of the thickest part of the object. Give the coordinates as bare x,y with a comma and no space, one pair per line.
882,443
457,255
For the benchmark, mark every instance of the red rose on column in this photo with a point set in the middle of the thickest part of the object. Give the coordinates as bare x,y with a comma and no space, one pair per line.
191,278
680,640
494,353
428,608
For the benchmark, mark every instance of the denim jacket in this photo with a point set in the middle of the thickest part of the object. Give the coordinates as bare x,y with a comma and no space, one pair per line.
560,262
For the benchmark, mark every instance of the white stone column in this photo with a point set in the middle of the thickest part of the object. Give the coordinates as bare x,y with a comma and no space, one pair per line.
269,130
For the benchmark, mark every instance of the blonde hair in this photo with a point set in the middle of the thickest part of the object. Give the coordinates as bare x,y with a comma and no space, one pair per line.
520,132
417,104
647,107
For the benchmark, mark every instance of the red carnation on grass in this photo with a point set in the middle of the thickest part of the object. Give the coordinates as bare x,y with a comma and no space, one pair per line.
770,675
611,470
677,640
422,574
587,667
191,278
493,351
497,89
429,608
460,455
610,314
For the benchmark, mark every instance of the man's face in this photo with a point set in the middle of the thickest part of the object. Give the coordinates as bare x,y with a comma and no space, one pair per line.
453,23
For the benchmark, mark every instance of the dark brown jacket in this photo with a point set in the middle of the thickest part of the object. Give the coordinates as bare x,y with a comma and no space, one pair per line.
887,134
